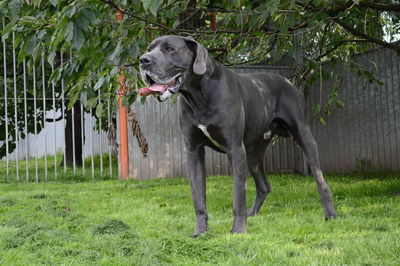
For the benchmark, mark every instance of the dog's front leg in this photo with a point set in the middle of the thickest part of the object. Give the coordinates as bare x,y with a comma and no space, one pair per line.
197,177
237,157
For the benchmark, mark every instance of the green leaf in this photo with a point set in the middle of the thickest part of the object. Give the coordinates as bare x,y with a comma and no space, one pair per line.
125,101
83,98
37,51
70,11
14,7
152,5
132,99
114,71
3,8
28,19
21,55
41,34
99,110
79,38
69,32
90,14
264,15
339,104
91,103
134,49
116,51
6,31
272,6
31,45
56,75
82,21
99,83
54,2
50,57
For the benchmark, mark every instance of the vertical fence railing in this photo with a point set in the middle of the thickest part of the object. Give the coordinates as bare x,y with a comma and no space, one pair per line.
33,121
44,117
53,96
5,104
109,145
83,138
63,113
16,140
91,146
26,124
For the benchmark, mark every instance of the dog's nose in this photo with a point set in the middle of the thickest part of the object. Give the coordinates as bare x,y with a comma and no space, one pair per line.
145,60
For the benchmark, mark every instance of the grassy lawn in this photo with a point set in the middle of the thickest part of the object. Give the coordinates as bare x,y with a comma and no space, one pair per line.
113,222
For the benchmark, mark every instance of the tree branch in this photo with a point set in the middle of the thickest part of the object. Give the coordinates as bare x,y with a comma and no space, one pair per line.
259,57
380,6
339,43
395,46
116,7
333,14
160,26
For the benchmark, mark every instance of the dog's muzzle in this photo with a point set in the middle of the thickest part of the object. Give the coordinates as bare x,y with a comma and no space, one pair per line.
165,87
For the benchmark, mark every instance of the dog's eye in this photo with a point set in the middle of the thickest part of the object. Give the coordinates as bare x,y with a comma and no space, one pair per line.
169,49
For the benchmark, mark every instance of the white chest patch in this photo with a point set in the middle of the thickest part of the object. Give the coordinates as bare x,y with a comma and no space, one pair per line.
203,128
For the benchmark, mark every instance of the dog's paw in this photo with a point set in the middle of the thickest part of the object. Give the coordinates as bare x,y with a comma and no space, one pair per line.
330,216
239,225
198,232
238,231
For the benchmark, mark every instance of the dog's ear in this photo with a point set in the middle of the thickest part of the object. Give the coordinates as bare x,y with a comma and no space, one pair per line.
201,55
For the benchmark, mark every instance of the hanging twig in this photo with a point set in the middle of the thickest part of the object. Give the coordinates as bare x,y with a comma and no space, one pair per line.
136,131
112,138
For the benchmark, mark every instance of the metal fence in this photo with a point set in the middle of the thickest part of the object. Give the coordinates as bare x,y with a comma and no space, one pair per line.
365,134
34,145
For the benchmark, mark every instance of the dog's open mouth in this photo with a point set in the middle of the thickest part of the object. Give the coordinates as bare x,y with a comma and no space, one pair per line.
165,88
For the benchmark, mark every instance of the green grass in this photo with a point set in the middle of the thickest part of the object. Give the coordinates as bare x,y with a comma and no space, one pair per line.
112,222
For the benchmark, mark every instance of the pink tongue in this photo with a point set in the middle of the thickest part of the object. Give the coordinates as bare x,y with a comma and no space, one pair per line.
152,89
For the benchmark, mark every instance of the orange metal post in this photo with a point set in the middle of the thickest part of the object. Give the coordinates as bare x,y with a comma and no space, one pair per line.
123,128
213,21
123,132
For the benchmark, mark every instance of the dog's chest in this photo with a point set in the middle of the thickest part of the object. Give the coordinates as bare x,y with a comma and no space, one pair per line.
204,129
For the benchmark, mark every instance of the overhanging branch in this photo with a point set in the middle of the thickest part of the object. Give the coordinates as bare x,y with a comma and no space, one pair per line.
380,6
395,46
337,45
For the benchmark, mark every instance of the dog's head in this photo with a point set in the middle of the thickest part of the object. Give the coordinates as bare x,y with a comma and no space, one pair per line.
168,62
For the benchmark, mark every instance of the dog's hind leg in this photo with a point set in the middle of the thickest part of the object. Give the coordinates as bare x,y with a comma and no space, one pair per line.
305,139
256,168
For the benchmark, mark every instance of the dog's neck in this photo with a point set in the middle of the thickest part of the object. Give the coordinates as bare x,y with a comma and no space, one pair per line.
196,92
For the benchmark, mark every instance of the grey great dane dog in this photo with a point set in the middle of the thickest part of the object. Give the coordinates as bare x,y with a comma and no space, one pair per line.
237,114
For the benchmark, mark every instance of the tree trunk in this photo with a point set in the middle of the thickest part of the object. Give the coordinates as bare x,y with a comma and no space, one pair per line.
77,134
